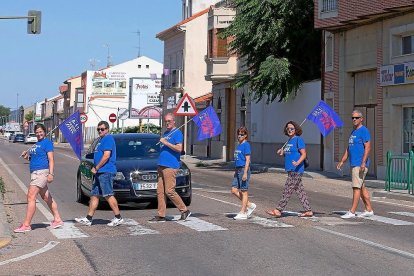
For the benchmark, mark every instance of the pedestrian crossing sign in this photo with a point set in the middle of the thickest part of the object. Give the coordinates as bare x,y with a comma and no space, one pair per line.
186,107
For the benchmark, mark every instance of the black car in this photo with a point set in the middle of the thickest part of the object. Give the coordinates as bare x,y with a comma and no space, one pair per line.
136,162
18,138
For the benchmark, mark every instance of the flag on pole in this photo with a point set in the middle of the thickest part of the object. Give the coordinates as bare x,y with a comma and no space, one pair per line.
208,123
325,118
72,130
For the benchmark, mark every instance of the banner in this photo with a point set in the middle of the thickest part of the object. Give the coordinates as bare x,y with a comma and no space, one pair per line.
208,123
325,118
72,130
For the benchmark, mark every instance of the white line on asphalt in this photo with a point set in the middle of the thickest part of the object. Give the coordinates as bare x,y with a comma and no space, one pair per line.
392,203
199,224
371,243
137,229
45,248
385,220
263,221
407,214
67,231
219,200
39,205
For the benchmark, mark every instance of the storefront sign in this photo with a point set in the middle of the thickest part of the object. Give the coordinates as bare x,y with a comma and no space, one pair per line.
397,74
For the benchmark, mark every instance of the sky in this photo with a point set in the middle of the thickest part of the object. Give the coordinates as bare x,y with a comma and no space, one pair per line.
73,34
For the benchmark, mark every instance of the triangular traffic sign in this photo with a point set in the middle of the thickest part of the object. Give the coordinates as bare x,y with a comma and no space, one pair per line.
185,107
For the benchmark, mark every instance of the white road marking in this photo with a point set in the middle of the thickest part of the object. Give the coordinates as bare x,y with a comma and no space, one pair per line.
45,248
386,220
392,203
137,229
263,221
198,224
407,214
219,200
39,206
371,243
67,231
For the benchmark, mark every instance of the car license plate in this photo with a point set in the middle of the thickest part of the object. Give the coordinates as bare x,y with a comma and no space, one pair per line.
144,186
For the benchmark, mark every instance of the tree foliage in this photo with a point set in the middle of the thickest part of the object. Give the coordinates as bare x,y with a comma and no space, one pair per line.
277,45
4,111
29,116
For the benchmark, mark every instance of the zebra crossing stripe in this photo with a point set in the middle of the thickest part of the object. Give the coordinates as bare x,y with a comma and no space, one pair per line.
407,214
67,231
137,229
199,224
386,220
263,221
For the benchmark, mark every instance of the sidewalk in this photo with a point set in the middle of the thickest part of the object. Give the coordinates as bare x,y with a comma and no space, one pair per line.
5,234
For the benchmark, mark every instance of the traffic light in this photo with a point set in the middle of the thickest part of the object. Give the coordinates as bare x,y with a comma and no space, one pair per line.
34,22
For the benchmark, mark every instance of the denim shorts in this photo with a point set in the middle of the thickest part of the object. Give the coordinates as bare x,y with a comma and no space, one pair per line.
237,180
103,185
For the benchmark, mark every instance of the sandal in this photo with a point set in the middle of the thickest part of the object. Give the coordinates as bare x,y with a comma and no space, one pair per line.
308,214
274,213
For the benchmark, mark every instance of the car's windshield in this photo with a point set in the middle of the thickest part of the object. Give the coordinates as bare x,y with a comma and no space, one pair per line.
19,135
130,147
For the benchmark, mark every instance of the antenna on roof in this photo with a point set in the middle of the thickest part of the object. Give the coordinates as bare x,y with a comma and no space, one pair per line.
93,62
139,42
108,57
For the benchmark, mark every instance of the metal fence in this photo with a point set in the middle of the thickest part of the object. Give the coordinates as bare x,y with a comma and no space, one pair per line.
399,172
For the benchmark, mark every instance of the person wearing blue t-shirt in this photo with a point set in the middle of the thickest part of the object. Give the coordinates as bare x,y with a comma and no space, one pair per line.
359,146
295,154
104,169
168,165
42,167
241,179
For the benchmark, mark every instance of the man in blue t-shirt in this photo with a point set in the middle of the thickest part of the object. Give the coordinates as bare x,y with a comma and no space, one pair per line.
168,165
358,153
104,169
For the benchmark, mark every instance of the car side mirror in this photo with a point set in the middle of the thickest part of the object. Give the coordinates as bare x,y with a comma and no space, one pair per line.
90,155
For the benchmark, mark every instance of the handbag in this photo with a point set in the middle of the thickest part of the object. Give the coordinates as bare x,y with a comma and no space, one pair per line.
306,161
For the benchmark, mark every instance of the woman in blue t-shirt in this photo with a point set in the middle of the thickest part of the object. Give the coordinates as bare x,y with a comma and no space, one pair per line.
241,179
295,154
42,167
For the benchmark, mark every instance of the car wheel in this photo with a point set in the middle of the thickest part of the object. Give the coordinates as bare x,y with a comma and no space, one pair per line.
80,196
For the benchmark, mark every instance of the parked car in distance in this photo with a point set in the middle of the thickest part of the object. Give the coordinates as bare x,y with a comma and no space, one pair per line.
136,178
19,138
12,135
30,138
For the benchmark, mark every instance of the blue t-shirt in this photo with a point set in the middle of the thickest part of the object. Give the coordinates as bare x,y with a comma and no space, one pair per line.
356,146
170,158
38,155
240,153
106,143
292,153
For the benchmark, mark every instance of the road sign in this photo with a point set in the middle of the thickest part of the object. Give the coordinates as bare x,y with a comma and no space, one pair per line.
83,118
123,114
186,107
112,117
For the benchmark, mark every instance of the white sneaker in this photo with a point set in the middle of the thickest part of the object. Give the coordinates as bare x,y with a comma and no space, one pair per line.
250,209
348,215
366,214
84,221
116,222
241,216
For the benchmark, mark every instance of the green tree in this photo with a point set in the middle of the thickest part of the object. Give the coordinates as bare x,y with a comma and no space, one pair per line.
4,111
29,116
277,45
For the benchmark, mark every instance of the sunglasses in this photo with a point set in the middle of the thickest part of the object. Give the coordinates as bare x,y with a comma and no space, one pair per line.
241,135
101,129
168,121
290,129
356,118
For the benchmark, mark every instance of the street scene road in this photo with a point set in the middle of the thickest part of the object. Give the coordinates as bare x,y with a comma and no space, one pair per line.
211,242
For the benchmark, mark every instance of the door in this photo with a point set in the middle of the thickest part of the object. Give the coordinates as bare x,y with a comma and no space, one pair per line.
231,123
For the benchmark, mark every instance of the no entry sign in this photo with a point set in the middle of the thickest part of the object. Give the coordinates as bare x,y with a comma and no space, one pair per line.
83,118
112,117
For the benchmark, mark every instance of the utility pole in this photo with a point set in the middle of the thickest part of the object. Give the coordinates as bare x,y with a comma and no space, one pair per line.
108,57
139,42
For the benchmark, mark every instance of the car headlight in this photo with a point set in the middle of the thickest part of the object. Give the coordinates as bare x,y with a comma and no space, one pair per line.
183,172
119,176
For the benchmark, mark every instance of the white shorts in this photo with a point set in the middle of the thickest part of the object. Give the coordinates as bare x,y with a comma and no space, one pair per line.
358,177
39,178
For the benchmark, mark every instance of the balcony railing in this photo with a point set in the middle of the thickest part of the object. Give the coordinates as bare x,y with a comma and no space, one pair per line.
329,5
173,79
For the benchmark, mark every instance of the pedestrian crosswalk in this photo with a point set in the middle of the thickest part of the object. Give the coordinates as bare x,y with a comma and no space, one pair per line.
225,222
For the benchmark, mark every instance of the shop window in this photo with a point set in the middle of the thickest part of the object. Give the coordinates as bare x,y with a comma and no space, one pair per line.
408,129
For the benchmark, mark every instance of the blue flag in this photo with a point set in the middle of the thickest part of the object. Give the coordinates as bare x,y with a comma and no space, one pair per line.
72,130
325,118
208,123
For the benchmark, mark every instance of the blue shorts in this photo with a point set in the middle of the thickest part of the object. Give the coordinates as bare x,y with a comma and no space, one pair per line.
103,185
237,180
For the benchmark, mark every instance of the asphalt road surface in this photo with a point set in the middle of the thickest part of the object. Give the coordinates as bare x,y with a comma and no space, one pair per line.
211,242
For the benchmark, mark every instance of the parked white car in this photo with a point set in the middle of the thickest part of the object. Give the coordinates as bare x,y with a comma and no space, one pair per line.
30,138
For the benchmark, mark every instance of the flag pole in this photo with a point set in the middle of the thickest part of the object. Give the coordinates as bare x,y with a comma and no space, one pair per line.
169,134
288,140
